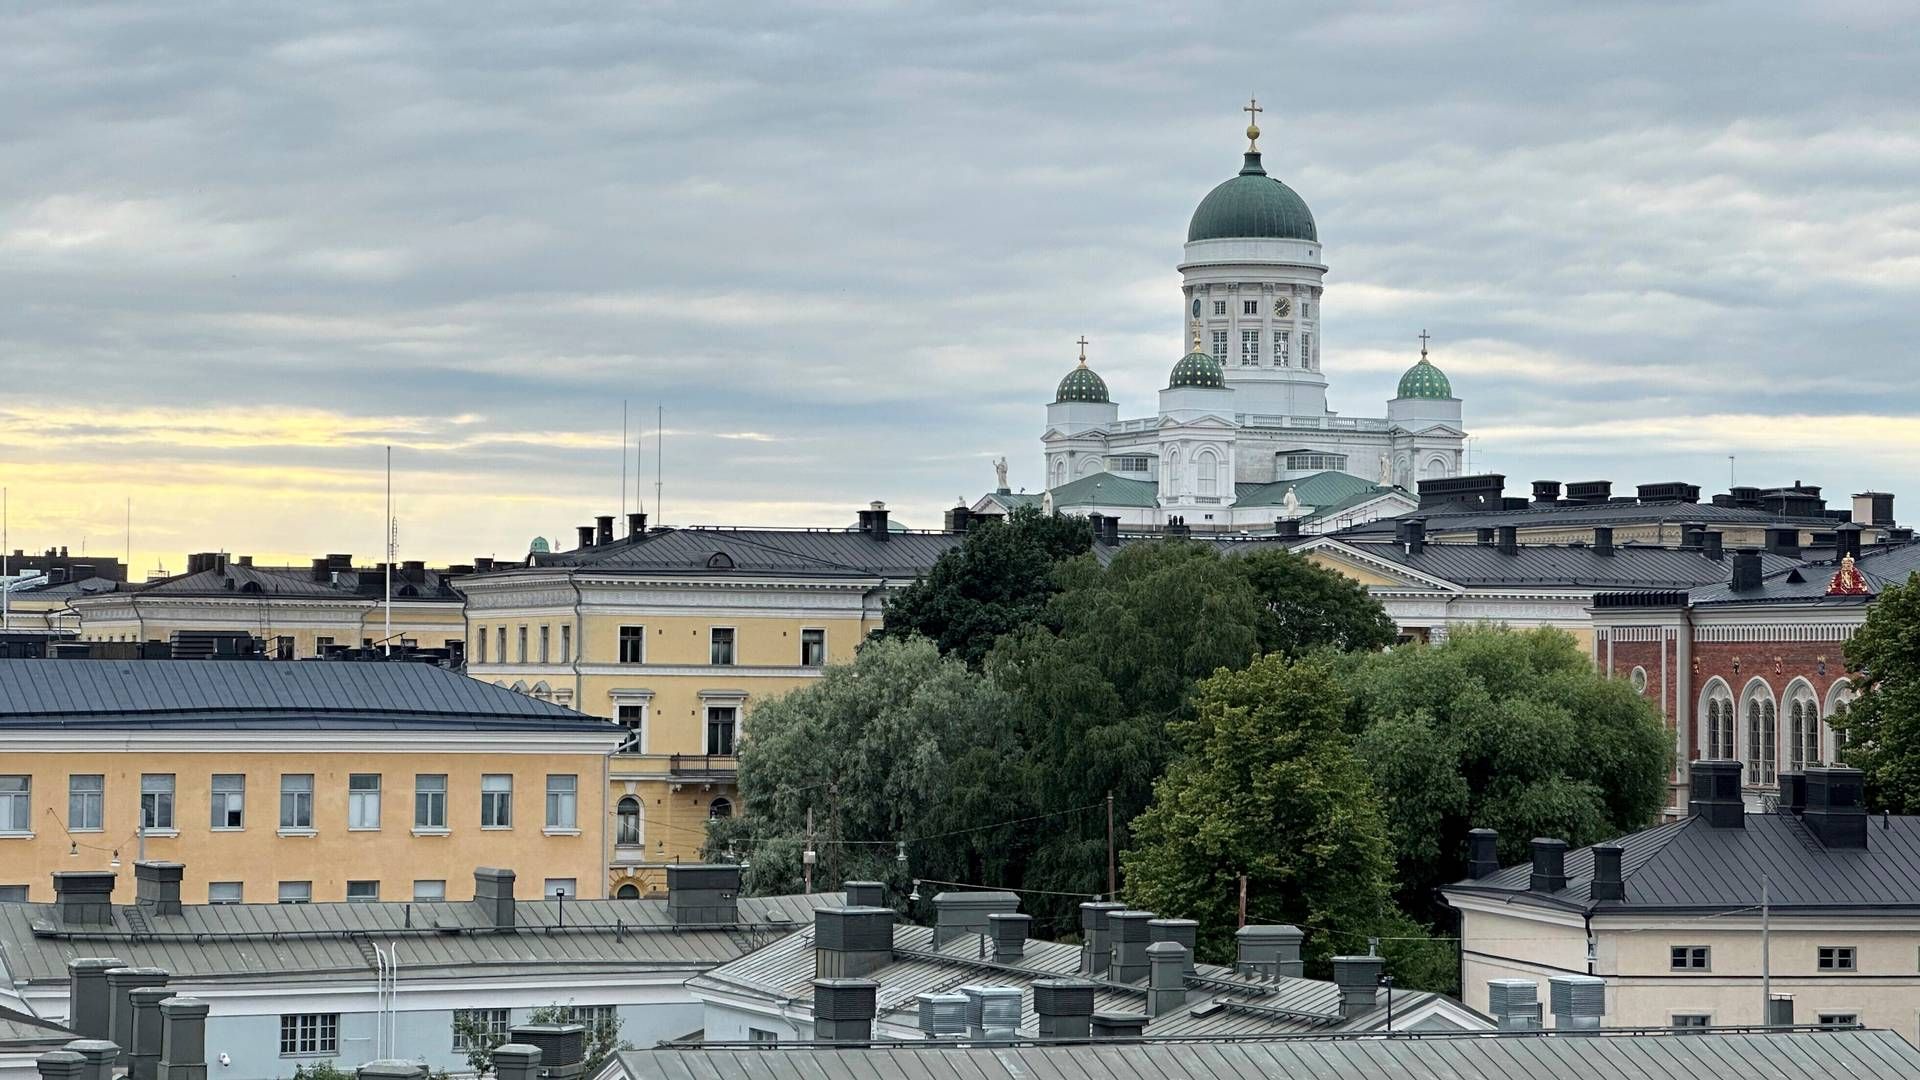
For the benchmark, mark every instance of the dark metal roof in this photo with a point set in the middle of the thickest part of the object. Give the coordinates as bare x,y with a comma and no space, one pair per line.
1441,519
1881,567
210,694
289,581
764,552
21,1032
1689,865
1564,565
1641,1055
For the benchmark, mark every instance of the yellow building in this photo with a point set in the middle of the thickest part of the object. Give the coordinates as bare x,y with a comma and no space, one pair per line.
294,782
676,634
297,611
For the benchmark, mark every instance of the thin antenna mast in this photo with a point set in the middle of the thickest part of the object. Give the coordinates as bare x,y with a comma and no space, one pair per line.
623,459
639,456
6,574
386,640
659,455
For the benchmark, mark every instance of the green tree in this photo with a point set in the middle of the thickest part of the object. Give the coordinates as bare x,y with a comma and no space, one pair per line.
1266,784
1880,728
998,579
477,1040
1504,729
603,1030
1310,607
902,744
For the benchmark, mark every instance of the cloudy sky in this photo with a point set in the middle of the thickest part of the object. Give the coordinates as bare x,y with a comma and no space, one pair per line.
848,247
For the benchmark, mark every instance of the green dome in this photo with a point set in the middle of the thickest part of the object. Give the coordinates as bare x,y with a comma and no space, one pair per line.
1423,380
1081,384
1197,369
1252,204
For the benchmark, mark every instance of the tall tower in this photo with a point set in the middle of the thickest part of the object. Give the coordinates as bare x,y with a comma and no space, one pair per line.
1251,278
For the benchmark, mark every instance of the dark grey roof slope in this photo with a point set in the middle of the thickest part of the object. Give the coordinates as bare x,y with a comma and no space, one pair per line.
20,1032
225,694
1691,866
451,939
1590,514
1786,1055
1881,567
1565,565
750,552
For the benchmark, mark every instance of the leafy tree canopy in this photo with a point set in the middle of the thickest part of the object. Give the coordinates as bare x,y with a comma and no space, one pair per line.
1310,607
1880,728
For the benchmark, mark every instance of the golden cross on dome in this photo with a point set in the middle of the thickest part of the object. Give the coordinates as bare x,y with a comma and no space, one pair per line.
1083,349
1424,338
1253,110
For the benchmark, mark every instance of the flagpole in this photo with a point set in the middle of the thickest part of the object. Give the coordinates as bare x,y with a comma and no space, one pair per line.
387,638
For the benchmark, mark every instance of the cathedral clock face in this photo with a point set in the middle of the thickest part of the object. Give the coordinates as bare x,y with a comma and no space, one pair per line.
1196,309
1282,308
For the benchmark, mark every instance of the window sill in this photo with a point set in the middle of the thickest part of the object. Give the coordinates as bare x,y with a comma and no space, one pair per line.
96,831
299,832
16,836
363,828
419,831
553,831
496,828
162,833
228,828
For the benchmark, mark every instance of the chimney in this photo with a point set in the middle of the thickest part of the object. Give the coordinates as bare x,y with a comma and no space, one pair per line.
1484,536
865,893
1549,865
1009,933
945,1015
1693,536
63,1065
1130,936
143,1057
851,942
1713,792
1413,534
83,897
993,1012
1746,571
1793,792
706,895
1714,545
877,521
1182,932
1847,540
1607,882
98,1057
1269,952
414,570
1093,930
1064,1007
1286,528
339,561
513,1061
843,1010
1836,812
89,1003
1579,1001
1509,540
1780,1010
958,519
1358,978
959,913
1117,1025
319,573
157,886
1546,492
483,564
586,535
121,983
636,526
1483,853
1514,1004
1873,508
493,892
603,529
563,1047
1784,541
1167,977
183,1039
390,1069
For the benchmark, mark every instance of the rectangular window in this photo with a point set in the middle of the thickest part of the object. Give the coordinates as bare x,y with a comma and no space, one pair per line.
633,644
500,639
1691,1021
321,645
296,892
363,801
1133,463
1306,309
720,725
16,804
566,643
1249,348
309,1033
487,1026
496,801
762,1035
363,892
1219,344
556,885
1689,958
544,632
1249,307
720,652
229,801
563,801
521,640
430,889
1836,958
1280,340
813,648
296,801
632,717
86,801
480,645
1306,351
430,801
225,892
283,647
1839,1019
1219,307
156,800
13,894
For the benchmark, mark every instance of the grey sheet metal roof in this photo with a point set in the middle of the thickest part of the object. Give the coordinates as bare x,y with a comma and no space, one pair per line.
1881,567
1564,565
227,694
444,939
1590,514
750,552
22,1031
1791,1055
1691,866
785,972
297,581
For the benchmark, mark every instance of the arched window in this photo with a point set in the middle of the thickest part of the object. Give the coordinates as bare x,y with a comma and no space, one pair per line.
1838,695
251,587
720,808
629,891
720,560
1717,720
1803,726
1059,471
1763,735
1209,473
627,821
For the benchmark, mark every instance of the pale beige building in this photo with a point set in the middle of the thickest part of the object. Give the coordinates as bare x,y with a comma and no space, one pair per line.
1695,922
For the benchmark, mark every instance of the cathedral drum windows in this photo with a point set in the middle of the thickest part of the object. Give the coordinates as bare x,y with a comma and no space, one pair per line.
1281,339
1250,307
1219,307
1249,348
1219,343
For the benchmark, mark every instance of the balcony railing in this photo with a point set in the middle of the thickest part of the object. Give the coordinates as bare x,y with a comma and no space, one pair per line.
704,766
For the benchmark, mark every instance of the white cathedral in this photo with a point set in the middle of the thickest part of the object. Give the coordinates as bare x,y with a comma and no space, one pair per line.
1243,437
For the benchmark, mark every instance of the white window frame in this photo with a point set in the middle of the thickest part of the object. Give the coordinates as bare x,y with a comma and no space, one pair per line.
639,839
496,801
86,809
1219,343
435,804
227,802
296,813
563,804
1219,307
309,1035
374,899
733,646
157,815
362,817
1281,340
216,892
294,892
16,804
498,1025
549,889
804,631
436,889
1249,348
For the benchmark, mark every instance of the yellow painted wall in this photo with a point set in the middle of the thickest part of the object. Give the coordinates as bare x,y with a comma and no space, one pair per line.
430,624
1347,569
261,858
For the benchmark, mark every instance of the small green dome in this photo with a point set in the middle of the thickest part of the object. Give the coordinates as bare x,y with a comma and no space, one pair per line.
1252,204
540,546
1081,384
1199,370
1423,380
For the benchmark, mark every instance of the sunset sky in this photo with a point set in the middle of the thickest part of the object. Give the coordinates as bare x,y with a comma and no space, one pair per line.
848,248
